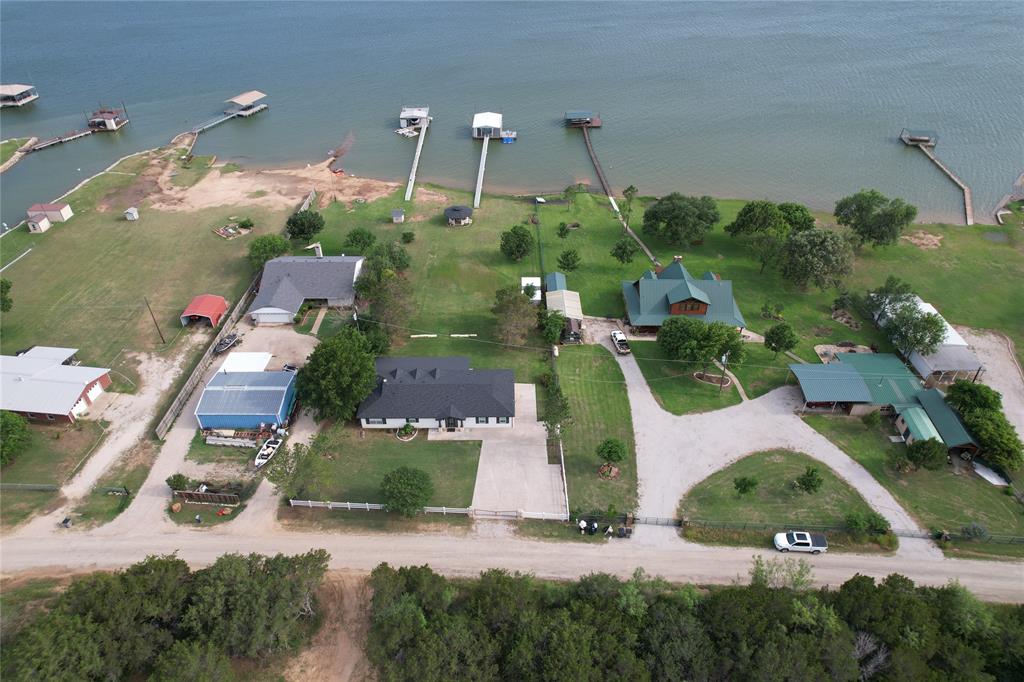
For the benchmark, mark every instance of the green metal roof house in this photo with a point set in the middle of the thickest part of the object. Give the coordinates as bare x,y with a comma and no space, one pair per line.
857,383
947,423
914,425
657,295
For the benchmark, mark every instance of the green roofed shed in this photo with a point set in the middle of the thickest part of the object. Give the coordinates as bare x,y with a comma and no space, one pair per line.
946,421
554,281
918,425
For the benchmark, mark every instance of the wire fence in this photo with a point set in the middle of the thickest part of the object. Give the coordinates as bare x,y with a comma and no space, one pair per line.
506,514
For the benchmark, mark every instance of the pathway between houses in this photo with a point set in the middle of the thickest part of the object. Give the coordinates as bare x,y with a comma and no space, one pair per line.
674,453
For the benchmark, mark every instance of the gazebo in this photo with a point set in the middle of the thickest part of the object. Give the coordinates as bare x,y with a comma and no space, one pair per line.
209,307
458,215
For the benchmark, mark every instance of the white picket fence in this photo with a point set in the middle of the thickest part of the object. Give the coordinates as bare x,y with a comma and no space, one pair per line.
465,511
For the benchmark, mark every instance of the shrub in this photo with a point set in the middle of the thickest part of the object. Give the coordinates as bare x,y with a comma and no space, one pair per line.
872,420
246,223
975,531
930,454
611,451
899,462
810,481
408,237
563,230
855,522
877,524
407,430
406,490
569,260
14,436
359,241
179,482
304,224
744,484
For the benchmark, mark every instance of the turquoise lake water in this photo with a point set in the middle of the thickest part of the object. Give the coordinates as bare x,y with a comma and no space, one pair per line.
785,101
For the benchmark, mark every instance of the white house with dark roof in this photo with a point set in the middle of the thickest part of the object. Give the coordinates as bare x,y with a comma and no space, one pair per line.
47,383
289,281
438,393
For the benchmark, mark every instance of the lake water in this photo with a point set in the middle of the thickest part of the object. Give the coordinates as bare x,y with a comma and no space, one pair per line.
784,101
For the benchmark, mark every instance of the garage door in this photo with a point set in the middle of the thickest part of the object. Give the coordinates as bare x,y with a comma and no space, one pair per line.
94,391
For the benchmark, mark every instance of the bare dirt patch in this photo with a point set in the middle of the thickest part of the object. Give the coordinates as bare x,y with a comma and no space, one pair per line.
430,196
924,240
337,650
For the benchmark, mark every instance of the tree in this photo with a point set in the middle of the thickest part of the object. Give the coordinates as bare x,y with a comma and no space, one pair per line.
966,397
563,230
816,256
797,216
810,481
359,241
624,250
393,304
873,217
406,491
6,302
557,411
768,247
686,338
999,441
299,470
681,220
267,247
569,260
517,242
14,436
303,225
758,216
193,661
912,330
780,338
628,195
744,484
611,451
515,315
930,454
552,324
59,647
178,481
891,295
570,195
339,375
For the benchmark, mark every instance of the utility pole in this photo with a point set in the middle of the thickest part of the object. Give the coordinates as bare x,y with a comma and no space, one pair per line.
725,364
155,324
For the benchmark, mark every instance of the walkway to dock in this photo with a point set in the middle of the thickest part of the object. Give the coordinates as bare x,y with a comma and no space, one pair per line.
60,139
416,159
202,127
611,198
480,173
968,201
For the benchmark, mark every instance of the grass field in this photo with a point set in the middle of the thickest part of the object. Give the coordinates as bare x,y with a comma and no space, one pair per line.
199,451
191,173
52,455
673,384
8,147
357,465
775,501
761,371
94,301
595,387
99,507
939,499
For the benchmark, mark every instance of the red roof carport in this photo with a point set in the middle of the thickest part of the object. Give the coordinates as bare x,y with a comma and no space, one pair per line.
207,306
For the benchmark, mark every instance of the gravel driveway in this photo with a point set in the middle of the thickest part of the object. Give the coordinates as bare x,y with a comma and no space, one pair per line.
1001,371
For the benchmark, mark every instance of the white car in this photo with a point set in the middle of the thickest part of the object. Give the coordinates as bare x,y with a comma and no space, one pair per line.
620,343
801,541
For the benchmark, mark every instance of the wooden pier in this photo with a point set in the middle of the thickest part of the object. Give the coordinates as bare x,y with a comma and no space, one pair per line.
416,158
480,173
61,139
926,144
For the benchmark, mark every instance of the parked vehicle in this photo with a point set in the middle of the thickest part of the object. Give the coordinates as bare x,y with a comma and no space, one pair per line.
620,343
270,447
226,343
801,541
290,368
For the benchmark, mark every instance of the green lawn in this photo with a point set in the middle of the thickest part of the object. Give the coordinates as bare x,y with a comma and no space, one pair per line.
199,451
8,147
775,501
761,371
96,303
189,174
207,513
595,387
358,463
673,384
551,531
939,499
99,507
53,453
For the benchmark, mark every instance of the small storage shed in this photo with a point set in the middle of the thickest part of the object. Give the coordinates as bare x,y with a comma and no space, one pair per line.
207,307
38,223
246,400
566,302
397,216
458,215
486,124
57,213
131,214
554,281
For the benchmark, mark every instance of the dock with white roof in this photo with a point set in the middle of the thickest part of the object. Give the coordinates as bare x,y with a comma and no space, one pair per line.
414,121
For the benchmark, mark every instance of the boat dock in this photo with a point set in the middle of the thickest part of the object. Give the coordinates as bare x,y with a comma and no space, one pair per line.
480,173
926,143
103,120
245,105
584,120
61,139
487,125
416,119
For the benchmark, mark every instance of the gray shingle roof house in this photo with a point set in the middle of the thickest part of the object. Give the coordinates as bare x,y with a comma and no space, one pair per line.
658,295
438,393
289,280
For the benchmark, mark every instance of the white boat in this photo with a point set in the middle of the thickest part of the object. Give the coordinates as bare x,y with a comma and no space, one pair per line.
270,446
407,132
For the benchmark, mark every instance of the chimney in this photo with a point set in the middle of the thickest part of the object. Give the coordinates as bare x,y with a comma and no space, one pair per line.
317,249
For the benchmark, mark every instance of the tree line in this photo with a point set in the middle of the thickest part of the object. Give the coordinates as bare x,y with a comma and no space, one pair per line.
505,626
159,620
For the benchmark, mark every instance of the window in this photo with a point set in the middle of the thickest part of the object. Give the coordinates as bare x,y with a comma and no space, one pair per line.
483,420
49,417
503,420
412,420
376,421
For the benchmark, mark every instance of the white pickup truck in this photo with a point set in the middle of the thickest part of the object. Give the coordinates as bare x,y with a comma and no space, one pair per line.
620,343
801,541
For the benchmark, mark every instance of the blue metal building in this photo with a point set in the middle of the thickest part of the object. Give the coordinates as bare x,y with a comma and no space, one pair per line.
246,400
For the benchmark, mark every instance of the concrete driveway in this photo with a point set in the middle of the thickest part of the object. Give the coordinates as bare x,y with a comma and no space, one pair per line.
513,474
674,453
